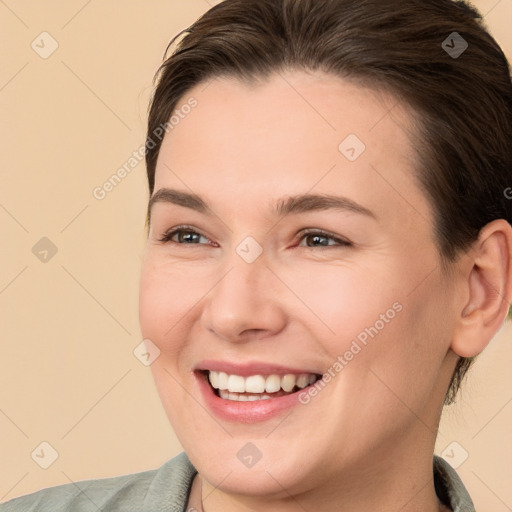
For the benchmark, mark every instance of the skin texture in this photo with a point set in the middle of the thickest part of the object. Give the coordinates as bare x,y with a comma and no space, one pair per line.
365,442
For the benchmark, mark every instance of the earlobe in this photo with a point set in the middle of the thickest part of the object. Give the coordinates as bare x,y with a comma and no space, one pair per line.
489,289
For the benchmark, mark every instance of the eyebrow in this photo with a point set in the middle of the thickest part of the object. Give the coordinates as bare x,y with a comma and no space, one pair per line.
287,206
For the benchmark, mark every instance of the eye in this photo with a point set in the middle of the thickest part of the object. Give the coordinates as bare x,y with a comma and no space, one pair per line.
185,236
321,238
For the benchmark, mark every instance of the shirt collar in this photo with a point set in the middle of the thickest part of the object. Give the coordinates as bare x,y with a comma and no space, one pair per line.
449,487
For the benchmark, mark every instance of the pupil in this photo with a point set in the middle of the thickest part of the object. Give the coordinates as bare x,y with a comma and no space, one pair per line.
187,236
316,238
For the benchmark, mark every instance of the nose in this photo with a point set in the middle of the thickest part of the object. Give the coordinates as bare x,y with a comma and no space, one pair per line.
245,304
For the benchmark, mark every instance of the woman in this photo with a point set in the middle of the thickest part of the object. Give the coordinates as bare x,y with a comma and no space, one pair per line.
329,248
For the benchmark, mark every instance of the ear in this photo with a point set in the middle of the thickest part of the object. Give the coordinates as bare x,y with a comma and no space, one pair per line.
488,289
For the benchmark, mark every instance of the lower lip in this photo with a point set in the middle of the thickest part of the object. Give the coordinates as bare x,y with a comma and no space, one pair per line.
244,412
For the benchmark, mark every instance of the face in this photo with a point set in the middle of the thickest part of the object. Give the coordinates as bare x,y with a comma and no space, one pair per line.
261,292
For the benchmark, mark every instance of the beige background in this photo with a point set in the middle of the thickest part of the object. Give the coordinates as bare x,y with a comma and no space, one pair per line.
68,375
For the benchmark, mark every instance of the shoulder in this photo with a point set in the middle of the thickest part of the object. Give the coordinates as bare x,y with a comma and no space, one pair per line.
166,488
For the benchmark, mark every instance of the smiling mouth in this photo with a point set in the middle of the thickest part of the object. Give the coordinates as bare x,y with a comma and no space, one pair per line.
257,387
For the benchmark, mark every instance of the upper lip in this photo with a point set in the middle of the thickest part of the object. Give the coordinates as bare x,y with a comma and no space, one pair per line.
250,368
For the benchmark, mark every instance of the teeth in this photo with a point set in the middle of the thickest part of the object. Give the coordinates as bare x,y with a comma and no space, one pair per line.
255,384
288,382
236,384
272,384
303,381
222,380
240,397
258,384
214,379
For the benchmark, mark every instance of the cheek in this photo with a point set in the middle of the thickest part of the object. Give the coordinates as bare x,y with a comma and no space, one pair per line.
344,301
394,340
166,312
403,360
166,304
153,298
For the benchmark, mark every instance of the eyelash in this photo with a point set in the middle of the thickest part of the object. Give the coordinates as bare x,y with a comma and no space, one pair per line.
166,238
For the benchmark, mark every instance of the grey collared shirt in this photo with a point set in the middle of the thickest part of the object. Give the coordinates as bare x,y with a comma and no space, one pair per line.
167,489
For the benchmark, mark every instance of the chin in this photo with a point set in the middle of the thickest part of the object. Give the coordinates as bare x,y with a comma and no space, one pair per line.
221,467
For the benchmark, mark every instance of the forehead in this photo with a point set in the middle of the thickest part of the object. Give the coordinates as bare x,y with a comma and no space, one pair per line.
289,134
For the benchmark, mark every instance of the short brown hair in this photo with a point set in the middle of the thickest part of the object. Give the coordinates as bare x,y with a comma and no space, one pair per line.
462,104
